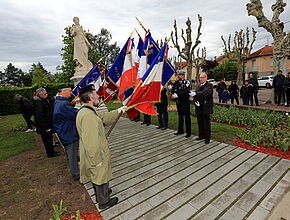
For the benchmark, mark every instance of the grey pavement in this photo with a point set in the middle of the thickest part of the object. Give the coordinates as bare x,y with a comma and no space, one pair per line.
158,175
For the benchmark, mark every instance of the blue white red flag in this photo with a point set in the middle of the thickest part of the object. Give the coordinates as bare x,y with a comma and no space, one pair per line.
128,77
91,76
116,70
148,54
150,85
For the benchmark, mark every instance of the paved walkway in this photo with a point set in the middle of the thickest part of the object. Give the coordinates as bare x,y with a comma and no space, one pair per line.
158,175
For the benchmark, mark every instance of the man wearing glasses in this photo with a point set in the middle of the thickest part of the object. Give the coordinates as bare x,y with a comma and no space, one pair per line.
203,101
64,123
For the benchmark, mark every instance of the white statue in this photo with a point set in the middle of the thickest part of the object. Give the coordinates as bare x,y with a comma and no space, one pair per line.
81,49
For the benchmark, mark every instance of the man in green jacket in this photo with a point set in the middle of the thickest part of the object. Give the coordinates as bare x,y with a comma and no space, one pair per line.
95,159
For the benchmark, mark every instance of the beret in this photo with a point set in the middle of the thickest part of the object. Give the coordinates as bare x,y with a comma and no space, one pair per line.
85,89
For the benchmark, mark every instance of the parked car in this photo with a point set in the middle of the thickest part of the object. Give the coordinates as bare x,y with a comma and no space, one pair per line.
265,81
213,82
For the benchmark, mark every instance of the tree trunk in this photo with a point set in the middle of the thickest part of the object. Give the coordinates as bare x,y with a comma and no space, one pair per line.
240,68
189,70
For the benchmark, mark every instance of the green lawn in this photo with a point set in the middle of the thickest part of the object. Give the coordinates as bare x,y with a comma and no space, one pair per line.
219,132
12,140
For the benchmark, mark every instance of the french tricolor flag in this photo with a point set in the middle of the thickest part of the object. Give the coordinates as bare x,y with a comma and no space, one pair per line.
129,74
149,88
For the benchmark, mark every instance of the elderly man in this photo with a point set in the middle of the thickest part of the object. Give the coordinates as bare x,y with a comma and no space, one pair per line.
203,100
43,120
180,92
95,161
64,123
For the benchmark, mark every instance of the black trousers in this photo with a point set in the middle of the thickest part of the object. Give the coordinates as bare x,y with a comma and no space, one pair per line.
287,96
48,142
255,96
234,97
102,193
147,119
183,109
278,92
203,126
162,116
28,120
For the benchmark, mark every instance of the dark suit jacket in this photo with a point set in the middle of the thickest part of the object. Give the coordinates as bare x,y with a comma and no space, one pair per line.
204,95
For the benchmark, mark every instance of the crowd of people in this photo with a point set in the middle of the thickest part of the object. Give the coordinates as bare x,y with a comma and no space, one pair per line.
248,92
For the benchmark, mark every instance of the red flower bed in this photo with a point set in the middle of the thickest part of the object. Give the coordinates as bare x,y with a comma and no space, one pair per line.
271,151
85,216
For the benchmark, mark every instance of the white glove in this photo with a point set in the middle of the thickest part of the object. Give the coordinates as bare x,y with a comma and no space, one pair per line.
48,130
99,164
122,109
174,95
170,87
192,93
197,103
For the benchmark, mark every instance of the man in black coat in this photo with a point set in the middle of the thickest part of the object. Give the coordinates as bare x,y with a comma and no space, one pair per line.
26,109
203,101
43,113
278,85
252,80
180,93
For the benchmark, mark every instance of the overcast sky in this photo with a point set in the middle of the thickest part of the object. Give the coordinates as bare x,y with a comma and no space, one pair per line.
31,29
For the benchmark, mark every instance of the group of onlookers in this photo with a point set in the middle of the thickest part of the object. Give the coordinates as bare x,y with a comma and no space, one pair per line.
249,90
80,130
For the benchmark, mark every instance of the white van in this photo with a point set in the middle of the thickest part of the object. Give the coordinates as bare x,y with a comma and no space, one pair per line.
265,81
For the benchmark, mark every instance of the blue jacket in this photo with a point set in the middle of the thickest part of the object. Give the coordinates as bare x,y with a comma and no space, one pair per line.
64,120
225,96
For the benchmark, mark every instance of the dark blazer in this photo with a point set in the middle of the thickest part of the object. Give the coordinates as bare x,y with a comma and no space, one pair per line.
204,95
43,110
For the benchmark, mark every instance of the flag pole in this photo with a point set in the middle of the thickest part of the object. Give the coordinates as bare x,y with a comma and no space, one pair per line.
140,23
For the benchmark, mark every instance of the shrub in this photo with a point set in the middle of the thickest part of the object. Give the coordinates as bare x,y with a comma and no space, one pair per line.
8,104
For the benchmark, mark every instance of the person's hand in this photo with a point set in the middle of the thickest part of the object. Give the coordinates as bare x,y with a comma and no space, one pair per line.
192,93
170,87
197,103
48,130
174,95
122,109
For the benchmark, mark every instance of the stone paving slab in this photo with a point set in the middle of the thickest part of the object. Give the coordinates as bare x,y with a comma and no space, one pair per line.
158,175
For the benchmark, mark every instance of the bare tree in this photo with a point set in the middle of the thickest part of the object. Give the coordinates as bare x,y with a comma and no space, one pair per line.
198,61
241,50
281,40
187,52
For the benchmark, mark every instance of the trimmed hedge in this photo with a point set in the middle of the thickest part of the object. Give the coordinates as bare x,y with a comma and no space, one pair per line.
8,104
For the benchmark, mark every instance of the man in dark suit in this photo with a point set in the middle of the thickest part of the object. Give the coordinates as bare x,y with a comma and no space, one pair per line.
203,101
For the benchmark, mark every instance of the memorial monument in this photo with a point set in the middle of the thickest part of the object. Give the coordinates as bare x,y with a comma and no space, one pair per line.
81,51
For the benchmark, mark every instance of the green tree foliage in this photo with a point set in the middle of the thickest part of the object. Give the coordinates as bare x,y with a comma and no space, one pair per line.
26,79
226,70
11,76
40,76
101,48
